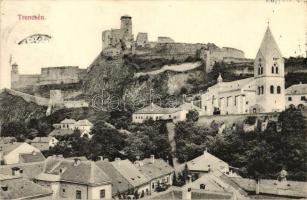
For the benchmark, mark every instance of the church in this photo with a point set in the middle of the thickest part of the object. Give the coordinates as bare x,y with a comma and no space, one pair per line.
263,93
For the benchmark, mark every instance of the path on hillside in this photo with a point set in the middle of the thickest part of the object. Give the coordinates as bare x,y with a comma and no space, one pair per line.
171,138
176,67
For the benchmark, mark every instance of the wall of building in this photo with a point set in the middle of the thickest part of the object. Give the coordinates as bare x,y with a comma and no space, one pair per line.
13,156
296,100
59,75
94,192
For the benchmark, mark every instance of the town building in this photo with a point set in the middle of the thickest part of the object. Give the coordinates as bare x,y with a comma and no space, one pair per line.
19,152
263,93
68,126
208,163
159,172
75,179
44,143
156,112
296,96
26,170
121,187
14,187
140,182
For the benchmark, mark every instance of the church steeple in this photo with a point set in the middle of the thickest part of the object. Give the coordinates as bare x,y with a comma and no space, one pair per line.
268,46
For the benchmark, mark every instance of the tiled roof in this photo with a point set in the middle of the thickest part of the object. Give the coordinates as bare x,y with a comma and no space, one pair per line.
68,121
20,188
85,172
61,132
155,109
298,89
202,162
119,183
234,85
42,139
29,170
274,187
83,122
31,157
269,47
175,193
7,139
8,147
130,172
154,170
208,180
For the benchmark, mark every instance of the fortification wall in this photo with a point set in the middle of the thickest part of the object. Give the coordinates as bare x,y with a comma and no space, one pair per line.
24,81
59,75
76,104
29,98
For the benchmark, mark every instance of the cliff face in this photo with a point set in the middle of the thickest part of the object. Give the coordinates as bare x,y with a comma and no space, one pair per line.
14,108
107,73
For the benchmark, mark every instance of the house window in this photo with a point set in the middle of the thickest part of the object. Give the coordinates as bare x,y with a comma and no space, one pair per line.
289,98
102,193
278,89
303,98
78,194
272,89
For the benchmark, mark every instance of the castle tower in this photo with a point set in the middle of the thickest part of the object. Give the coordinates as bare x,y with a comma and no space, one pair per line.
269,75
14,76
126,25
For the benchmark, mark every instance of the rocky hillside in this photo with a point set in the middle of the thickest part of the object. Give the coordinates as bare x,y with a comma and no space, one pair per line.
13,108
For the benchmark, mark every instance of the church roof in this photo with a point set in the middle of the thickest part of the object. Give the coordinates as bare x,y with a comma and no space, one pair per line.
298,89
269,47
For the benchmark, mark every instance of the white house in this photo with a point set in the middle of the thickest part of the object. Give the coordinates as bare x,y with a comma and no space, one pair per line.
263,93
156,112
18,152
44,143
75,179
296,96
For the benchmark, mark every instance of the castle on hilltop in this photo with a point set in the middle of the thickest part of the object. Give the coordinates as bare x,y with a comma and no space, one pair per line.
121,41
263,93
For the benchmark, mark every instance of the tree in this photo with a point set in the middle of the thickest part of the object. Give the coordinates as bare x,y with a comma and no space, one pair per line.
192,116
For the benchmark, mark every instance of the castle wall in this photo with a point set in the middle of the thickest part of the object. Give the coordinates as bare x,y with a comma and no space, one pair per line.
29,98
59,75
24,81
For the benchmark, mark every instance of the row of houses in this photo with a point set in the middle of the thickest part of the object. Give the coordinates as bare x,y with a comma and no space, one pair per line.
79,178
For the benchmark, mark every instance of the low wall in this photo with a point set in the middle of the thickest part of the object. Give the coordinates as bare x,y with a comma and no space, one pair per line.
29,98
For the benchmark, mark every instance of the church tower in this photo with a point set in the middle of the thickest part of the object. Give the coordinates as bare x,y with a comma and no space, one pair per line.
269,75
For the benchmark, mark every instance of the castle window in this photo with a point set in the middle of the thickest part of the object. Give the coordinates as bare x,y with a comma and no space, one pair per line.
278,89
272,89
262,89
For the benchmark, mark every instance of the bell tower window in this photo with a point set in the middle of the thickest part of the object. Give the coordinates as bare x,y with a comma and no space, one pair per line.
272,89
278,89
272,70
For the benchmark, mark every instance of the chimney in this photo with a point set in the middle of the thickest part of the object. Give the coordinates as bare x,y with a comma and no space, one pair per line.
33,153
106,159
205,151
77,161
187,194
152,158
117,159
100,157
258,186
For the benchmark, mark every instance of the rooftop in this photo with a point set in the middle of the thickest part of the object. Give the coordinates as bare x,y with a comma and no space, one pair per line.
42,139
19,188
77,171
8,147
298,89
31,157
155,109
83,122
205,162
68,121
29,170
61,132
155,169
130,172
119,182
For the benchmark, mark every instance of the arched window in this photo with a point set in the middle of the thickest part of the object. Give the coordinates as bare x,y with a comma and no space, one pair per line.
278,89
276,70
262,89
261,70
272,70
272,89
259,90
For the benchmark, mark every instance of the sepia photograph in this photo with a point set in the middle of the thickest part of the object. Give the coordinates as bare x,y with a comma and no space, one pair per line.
153,100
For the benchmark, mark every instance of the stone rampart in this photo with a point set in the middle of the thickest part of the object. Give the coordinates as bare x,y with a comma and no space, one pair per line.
29,98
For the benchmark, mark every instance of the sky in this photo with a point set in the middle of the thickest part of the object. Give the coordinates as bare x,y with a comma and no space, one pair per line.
76,27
